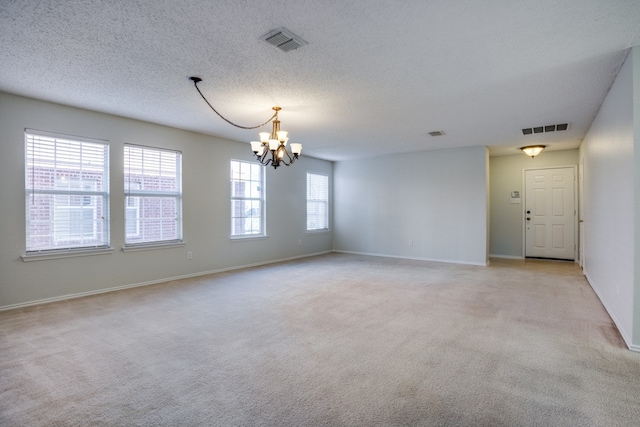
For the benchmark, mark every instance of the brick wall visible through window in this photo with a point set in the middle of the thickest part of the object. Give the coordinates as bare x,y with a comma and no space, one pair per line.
67,192
153,195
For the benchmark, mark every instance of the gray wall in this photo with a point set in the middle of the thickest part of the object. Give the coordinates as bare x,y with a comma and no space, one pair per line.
611,220
206,207
437,200
507,176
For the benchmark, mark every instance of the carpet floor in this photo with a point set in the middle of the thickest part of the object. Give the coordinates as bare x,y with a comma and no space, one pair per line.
333,340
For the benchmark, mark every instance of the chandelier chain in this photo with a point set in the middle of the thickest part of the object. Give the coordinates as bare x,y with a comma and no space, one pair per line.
195,83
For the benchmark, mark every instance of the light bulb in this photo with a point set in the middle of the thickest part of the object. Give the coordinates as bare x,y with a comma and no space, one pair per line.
255,146
282,135
264,136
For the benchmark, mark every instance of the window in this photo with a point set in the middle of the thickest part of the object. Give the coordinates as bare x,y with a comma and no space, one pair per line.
317,202
67,192
153,195
247,199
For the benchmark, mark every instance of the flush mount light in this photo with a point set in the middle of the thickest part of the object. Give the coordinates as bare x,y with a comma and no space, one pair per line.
533,150
272,147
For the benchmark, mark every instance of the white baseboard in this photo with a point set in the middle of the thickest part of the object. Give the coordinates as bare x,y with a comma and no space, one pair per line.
413,258
505,256
623,333
153,282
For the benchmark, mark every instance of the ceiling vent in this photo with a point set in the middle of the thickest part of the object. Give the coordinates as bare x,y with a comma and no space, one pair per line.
437,133
283,39
545,129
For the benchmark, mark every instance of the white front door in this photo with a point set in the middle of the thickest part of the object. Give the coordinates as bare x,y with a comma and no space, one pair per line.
550,215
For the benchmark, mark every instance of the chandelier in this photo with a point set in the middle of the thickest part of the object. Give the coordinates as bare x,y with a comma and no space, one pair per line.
272,147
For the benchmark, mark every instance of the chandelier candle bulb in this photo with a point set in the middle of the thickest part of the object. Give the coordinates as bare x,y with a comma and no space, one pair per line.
256,146
282,135
296,148
273,144
264,136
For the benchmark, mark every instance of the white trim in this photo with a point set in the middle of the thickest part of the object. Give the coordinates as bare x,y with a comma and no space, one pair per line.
244,237
481,264
505,256
319,231
66,137
45,255
625,337
154,282
151,246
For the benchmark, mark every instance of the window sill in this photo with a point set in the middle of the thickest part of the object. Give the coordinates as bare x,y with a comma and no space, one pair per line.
323,231
41,256
152,246
245,238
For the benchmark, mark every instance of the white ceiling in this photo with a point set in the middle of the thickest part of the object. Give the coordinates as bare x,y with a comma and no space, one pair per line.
376,76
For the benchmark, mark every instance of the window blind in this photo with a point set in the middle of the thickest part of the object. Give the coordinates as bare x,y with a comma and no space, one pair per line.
153,195
247,199
317,202
67,192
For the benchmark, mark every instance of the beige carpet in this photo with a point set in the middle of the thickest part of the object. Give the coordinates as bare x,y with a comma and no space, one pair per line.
335,340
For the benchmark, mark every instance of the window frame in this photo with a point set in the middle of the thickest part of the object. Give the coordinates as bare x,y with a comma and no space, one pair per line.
52,166
139,194
326,201
261,200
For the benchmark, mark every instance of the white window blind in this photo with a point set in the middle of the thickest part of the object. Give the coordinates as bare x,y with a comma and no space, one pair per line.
317,202
67,192
247,199
153,195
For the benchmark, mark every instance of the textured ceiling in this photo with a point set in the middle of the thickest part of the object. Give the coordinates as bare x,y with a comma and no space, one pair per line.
376,76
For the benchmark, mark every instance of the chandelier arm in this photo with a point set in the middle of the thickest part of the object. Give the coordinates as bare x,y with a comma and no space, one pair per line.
263,158
284,161
196,80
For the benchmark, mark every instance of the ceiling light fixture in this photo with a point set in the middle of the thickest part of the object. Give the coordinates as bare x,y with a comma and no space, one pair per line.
533,150
272,147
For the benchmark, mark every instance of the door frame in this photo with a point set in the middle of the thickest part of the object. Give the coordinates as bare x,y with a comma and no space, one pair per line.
581,237
575,208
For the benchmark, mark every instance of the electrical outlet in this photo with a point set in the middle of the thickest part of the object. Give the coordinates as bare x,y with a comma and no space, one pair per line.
189,254
410,242
299,242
